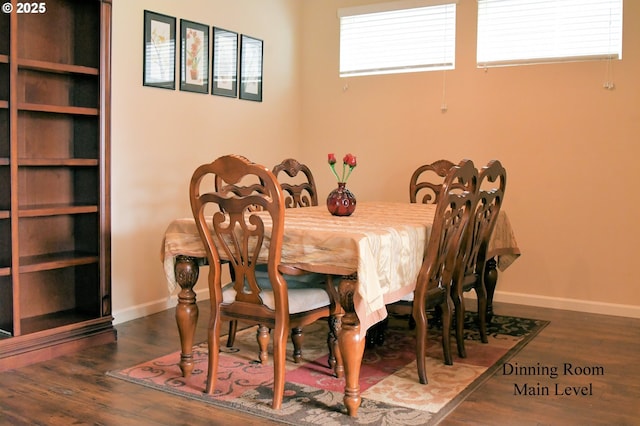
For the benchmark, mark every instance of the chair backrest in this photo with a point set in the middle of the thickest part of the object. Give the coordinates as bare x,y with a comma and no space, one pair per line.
426,181
492,182
457,199
300,191
231,221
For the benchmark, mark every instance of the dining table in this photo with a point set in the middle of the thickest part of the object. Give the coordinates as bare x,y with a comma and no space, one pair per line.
374,255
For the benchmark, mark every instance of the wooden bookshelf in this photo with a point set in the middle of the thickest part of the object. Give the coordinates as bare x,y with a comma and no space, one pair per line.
55,283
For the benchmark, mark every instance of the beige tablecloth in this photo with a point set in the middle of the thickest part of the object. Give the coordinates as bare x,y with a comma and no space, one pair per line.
383,242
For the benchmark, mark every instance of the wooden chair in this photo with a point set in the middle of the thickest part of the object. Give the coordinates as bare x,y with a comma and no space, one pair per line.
455,206
426,181
425,185
492,183
299,193
231,218
457,197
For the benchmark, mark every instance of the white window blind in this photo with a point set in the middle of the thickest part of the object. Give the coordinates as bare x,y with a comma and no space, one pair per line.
397,37
532,31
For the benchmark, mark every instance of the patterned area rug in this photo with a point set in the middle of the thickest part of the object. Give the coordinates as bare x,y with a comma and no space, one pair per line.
391,393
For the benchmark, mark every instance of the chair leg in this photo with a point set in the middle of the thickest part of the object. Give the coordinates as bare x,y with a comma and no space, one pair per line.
447,309
420,316
437,315
490,281
411,323
459,309
263,343
233,328
297,339
481,294
213,333
233,324
279,359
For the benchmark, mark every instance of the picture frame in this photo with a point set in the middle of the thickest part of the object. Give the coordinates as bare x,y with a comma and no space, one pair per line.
251,55
159,51
224,63
194,56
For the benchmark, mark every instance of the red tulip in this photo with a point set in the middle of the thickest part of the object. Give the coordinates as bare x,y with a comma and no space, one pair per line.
350,160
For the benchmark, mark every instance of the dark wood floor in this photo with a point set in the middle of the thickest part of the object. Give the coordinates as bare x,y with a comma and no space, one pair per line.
74,389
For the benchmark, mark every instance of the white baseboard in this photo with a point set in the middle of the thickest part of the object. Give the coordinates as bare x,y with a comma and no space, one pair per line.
150,308
602,308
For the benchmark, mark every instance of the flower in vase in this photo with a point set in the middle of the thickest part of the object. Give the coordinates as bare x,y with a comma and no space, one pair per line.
349,162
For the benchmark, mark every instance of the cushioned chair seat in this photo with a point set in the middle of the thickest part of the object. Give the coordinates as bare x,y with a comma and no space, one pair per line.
306,292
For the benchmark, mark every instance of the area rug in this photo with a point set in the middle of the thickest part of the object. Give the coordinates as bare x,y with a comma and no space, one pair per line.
391,392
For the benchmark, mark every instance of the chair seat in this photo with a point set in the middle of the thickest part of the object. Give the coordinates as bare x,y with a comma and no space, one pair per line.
306,292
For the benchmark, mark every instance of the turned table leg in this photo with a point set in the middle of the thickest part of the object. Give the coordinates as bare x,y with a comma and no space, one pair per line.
490,282
334,360
351,347
186,271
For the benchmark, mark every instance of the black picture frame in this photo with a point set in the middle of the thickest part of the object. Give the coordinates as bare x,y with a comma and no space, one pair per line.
251,55
224,63
159,50
194,56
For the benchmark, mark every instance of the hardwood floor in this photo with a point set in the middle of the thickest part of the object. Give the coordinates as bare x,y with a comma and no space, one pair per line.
74,389
608,346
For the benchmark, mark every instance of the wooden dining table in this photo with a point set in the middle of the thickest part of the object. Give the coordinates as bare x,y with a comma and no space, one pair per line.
375,254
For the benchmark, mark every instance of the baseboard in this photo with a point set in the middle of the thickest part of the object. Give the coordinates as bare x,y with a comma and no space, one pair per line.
602,308
150,308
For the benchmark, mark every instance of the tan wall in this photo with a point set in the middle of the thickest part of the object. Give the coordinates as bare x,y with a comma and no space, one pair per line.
568,144
558,132
160,136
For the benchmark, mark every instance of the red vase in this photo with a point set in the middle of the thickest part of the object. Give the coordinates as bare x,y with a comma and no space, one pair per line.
341,202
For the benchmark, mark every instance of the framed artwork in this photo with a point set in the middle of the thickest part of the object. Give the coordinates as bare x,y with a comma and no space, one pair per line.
225,63
194,57
251,68
159,66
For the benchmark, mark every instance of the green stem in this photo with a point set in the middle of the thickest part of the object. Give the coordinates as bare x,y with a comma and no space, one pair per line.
348,174
333,169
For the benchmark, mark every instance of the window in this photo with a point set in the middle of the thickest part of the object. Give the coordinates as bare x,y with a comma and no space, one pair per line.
397,37
533,31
